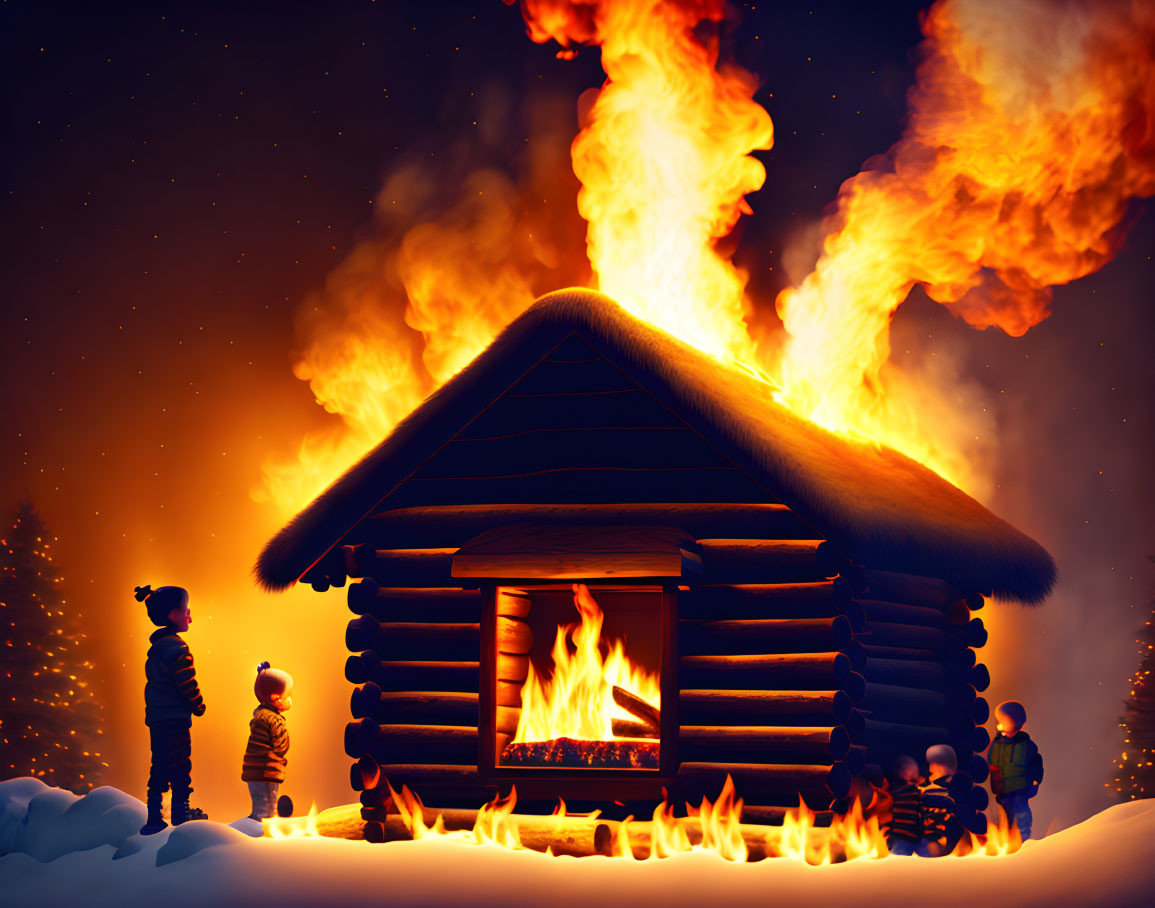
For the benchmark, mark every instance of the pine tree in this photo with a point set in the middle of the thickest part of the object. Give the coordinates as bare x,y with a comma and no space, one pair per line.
50,717
1135,766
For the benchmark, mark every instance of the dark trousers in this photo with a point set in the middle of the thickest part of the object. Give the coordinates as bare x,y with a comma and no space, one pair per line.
171,760
1017,808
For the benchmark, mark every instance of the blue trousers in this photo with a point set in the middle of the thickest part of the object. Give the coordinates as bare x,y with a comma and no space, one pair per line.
1017,808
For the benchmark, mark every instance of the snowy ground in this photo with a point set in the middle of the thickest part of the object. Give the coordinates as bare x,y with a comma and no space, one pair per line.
62,850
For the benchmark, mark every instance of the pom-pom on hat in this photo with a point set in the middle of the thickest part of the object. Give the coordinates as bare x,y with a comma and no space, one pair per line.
271,681
161,601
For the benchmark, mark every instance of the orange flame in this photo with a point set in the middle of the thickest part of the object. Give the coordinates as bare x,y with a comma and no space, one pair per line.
577,700
1013,175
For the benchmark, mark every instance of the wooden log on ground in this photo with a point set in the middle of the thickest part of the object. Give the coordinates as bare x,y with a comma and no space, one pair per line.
415,640
411,743
772,815
420,707
909,588
764,636
402,567
629,728
901,613
765,743
405,675
434,604
763,707
770,784
806,671
911,636
453,525
822,599
643,711
768,561
513,636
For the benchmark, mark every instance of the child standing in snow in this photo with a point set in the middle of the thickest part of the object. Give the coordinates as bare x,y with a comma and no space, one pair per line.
1016,767
905,828
265,755
171,699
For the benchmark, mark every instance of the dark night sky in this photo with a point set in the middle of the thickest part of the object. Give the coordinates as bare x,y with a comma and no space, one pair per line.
180,178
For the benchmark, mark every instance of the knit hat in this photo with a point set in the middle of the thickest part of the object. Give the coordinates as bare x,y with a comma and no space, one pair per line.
161,601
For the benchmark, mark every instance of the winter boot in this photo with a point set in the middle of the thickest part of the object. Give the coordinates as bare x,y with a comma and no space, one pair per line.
182,813
155,822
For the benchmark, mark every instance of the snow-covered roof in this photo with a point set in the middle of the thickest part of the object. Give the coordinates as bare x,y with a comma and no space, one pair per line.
878,506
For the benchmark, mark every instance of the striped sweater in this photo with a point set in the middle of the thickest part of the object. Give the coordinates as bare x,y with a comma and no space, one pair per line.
171,693
907,813
265,754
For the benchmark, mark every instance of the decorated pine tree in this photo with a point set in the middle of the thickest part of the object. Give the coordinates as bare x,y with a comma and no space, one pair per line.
1135,766
50,717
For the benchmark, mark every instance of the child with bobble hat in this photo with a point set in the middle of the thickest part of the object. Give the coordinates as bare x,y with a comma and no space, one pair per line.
265,754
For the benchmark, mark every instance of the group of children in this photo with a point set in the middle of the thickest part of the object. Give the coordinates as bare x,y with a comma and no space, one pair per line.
919,814
172,697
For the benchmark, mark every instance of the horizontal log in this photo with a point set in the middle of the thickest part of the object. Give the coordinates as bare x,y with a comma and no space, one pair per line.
761,707
907,673
631,728
512,603
511,667
453,525
509,693
912,589
580,486
364,773
856,615
407,675
854,723
912,636
821,599
401,567
419,707
906,704
895,652
894,738
766,743
412,743
766,561
513,636
764,636
781,784
901,613
775,815
436,604
432,777
853,651
415,640
507,719
805,671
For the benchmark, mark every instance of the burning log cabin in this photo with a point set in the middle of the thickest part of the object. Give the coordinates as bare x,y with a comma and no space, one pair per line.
600,565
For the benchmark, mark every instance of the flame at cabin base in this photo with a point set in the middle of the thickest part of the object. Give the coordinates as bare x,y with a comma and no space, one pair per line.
577,701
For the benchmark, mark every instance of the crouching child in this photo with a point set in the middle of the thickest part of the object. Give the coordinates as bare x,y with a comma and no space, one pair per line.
266,752
906,825
942,828
1016,767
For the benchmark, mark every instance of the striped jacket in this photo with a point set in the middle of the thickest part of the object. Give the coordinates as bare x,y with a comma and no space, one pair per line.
907,813
171,693
265,754
939,822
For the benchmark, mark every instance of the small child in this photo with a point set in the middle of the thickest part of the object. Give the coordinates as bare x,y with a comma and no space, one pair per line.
941,827
906,826
1016,767
265,755
171,699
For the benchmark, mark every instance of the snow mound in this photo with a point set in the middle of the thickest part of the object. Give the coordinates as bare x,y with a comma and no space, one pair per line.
192,838
48,823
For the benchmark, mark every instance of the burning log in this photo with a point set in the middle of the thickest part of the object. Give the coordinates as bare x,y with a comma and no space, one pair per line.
775,815
823,599
454,525
775,635
769,561
646,713
772,743
578,753
625,728
760,707
804,671
775,783
420,640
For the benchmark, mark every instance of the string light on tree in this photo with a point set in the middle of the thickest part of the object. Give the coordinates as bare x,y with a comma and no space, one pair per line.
1135,766
50,717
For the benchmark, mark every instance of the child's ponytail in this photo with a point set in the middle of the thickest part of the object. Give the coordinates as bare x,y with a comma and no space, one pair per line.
262,667
271,681
143,592
161,601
